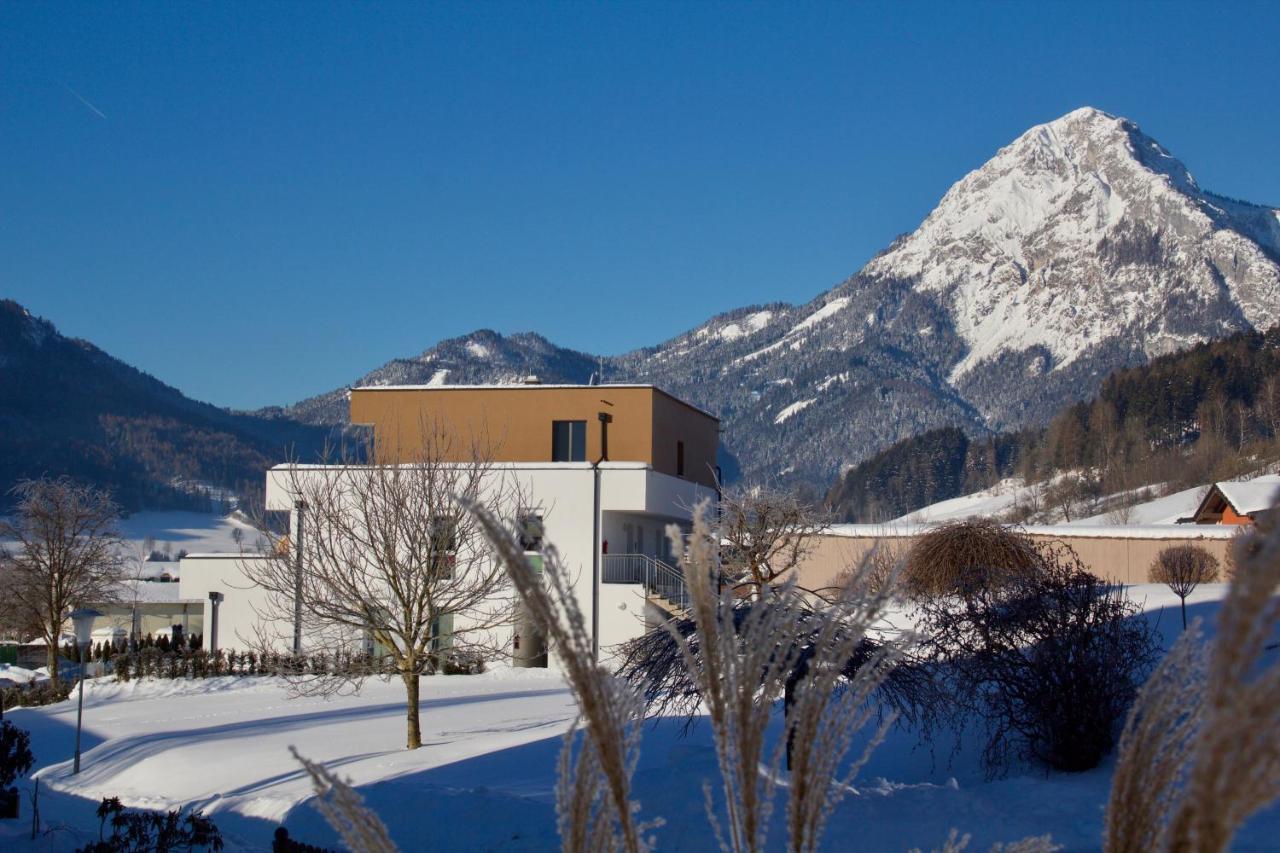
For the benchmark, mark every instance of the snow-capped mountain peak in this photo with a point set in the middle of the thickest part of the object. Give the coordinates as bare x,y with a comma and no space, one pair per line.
1081,230
1081,247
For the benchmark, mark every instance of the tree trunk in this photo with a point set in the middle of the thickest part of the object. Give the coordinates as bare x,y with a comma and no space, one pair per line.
1184,614
51,661
411,694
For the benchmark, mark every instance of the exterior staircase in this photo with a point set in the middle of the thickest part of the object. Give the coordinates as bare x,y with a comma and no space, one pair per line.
663,583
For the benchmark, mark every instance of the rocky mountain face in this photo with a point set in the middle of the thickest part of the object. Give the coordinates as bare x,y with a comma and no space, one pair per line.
67,407
1081,248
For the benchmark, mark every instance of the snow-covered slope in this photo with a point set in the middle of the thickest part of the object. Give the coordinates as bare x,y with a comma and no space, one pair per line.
1080,248
1012,498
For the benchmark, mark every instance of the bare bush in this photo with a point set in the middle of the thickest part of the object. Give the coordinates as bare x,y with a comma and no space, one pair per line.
1050,659
765,534
965,556
655,665
1182,568
1199,752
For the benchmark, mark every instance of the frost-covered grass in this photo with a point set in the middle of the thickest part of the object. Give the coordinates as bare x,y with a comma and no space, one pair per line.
485,776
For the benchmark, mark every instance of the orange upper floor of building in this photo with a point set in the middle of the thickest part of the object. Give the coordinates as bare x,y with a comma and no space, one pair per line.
541,423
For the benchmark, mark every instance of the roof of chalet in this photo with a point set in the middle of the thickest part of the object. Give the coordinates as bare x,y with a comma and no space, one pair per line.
1246,497
1251,496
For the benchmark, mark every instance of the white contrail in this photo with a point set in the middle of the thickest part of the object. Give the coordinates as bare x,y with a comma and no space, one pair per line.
82,99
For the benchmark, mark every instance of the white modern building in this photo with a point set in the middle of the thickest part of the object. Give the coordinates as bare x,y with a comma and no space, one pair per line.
603,469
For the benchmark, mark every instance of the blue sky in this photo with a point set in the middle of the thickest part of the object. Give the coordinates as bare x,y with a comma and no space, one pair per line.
257,202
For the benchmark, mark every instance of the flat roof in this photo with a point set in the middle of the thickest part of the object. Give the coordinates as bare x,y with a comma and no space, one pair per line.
520,386
607,465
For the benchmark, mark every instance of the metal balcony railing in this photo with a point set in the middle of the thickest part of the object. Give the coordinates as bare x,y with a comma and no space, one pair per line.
654,575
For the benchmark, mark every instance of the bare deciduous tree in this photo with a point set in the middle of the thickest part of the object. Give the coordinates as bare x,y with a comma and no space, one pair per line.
765,534
63,553
390,561
1269,404
1182,568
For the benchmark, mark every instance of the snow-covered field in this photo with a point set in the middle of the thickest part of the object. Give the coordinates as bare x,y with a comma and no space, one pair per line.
484,777
193,532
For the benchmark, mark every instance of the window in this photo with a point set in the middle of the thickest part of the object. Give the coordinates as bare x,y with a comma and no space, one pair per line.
529,528
442,633
679,458
444,546
568,441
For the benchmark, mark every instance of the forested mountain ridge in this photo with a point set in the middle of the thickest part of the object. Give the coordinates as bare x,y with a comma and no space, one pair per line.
1209,413
67,407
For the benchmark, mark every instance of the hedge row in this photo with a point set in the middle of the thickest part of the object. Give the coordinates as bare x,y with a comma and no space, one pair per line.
152,663
31,695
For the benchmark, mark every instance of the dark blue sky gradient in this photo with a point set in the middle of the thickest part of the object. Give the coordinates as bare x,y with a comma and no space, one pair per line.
280,198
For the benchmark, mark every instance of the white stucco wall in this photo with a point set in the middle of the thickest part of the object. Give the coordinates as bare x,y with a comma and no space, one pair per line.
239,626
562,493
622,615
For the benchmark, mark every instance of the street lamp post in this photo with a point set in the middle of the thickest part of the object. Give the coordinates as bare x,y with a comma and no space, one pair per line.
82,619
215,599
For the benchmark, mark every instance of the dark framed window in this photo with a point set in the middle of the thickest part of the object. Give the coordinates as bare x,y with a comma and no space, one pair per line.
679,458
568,441
442,633
529,529
444,546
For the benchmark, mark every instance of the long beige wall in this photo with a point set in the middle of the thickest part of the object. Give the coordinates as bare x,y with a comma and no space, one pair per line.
1116,559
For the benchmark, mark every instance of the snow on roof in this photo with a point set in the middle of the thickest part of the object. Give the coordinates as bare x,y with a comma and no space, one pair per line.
1135,531
514,386
430,386
1061,531
149,592
1253,495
